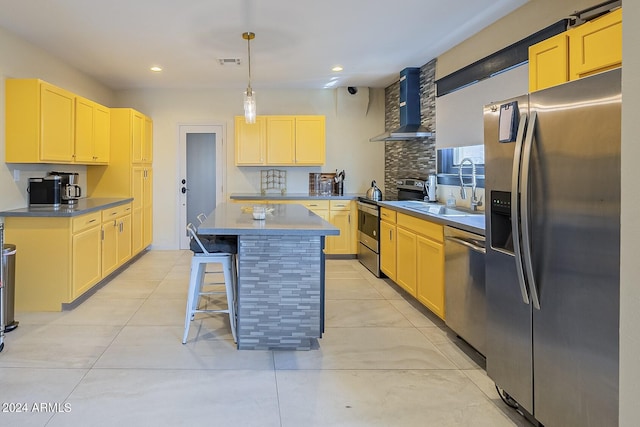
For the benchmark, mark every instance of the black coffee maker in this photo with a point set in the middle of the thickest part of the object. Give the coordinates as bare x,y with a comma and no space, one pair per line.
70,191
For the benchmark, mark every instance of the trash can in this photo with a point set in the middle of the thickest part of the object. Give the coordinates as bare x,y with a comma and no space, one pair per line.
9,284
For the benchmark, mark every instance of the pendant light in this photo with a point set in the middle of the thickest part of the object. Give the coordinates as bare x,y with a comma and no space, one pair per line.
249,95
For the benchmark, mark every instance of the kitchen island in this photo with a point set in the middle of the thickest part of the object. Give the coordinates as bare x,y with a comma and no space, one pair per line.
280,295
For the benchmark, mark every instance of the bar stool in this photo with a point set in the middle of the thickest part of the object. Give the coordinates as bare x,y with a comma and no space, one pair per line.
211,249
201,217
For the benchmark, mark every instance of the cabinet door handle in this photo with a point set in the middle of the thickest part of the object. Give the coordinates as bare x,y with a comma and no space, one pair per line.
390,234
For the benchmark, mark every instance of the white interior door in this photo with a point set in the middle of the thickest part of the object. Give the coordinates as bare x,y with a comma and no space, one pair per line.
202,173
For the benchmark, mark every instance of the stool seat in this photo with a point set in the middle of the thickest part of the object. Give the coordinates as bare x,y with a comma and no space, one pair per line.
215,244
211,249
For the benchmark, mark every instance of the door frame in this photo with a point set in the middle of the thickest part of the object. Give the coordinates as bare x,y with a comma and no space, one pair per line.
219,129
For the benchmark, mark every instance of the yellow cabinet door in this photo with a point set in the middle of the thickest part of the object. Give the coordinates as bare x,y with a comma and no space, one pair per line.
340,244
109,246
596,45
281,143
310,140
101,134
430,263
92,132
388,249
250,141
147,141
137,230
147,206
84,131
86,255
124,239
549,62
57,124
137,137
137,192
406,260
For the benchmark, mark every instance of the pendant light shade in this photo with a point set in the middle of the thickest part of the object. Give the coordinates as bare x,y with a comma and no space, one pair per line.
249,95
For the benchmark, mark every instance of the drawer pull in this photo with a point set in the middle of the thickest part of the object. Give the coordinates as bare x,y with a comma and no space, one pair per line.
93,220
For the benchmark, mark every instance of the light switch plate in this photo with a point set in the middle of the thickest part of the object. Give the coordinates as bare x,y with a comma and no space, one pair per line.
16,175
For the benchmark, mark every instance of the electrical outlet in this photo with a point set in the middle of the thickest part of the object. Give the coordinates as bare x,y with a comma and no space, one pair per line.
16,175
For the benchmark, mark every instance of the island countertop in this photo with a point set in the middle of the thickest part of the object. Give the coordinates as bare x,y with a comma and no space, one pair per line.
286,219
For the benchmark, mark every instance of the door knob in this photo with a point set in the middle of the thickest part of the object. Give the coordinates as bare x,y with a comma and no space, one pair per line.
184,190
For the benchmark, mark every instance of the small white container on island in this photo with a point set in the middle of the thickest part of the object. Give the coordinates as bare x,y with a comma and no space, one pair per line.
259,212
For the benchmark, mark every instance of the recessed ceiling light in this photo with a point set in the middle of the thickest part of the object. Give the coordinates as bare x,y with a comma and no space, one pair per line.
337,68
156,69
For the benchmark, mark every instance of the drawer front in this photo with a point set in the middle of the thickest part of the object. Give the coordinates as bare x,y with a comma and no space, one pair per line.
388,215
86,221
420,226
116,212
340,205
314,204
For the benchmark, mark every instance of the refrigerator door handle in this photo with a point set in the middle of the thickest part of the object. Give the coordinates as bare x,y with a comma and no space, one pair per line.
515,207
526,232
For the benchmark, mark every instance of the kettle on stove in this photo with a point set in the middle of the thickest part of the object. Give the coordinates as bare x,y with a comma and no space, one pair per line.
374,192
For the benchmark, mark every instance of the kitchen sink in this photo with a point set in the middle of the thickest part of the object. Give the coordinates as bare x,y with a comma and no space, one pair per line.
435,209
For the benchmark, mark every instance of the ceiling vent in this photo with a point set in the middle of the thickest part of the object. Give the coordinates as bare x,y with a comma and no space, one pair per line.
229,61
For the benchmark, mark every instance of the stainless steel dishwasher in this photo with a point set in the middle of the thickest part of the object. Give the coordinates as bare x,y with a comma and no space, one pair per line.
464,286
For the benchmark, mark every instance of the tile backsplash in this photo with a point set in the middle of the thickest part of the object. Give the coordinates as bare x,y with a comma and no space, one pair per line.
410,159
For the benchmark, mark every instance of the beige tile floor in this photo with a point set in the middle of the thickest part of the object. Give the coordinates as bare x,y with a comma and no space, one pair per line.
117,360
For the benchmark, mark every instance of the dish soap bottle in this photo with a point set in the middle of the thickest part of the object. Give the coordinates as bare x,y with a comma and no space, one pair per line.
451,200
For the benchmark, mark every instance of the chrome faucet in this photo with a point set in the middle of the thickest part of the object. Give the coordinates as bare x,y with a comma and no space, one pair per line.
463,195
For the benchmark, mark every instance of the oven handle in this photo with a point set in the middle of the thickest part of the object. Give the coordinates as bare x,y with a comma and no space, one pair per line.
372,211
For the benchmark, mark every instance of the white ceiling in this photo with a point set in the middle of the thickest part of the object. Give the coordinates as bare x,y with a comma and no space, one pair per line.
297,41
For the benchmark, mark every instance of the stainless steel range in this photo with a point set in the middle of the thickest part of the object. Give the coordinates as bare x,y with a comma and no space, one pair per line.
369,222
368,231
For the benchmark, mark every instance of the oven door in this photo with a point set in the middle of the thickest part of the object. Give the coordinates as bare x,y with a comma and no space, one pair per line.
368,225
368,231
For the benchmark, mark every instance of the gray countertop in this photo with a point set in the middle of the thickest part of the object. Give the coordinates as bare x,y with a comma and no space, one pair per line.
284,219
84,206
474,223
290,196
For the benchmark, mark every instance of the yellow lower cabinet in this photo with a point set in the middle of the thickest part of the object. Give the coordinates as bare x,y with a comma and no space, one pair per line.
388,249
430,260
342,216
109,246
124,238
86,259
406,260
116,237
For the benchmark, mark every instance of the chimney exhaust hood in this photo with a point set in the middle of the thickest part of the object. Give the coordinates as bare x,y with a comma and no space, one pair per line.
410,127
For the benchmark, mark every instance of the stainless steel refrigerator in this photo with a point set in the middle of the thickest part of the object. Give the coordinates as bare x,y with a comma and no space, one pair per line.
553,250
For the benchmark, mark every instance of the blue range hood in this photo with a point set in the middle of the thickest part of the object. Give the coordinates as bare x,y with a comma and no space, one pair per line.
410,126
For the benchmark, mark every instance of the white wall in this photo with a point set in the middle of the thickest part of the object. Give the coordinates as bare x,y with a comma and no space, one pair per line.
19,59
348,145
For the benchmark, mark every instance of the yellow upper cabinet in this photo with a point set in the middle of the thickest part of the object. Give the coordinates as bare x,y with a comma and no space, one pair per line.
280,141
590,48
281,137
310,140
92,136
47,124
596,45
549,62
142,137
39,122
250,140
